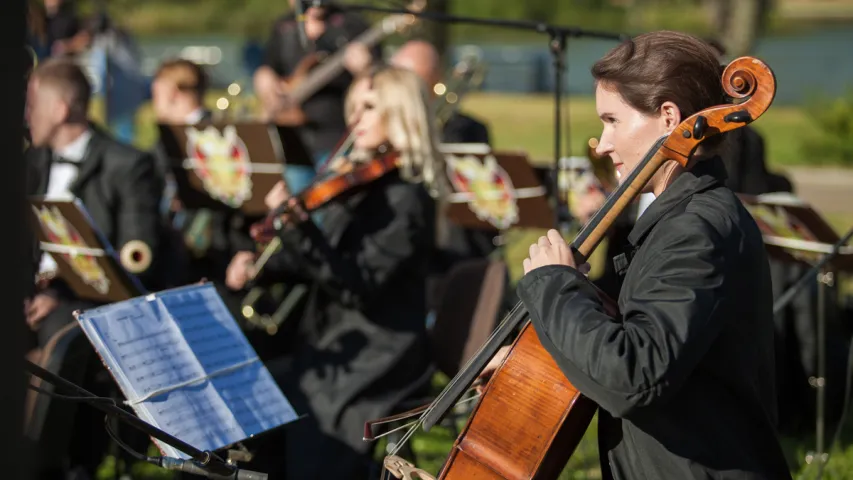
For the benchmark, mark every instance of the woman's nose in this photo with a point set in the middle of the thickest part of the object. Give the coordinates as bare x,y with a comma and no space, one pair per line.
603,148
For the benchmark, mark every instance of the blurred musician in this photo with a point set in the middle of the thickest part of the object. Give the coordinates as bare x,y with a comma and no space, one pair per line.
361,343
326,29
422,58
177,96
66,34
796,332
71,157
207,236
454,242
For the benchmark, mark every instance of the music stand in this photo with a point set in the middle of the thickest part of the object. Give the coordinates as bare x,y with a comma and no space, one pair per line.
794,232
494,191
85,260
187,369
230,166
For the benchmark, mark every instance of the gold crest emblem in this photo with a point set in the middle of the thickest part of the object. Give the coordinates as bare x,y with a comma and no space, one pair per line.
486,187
221,160
59,231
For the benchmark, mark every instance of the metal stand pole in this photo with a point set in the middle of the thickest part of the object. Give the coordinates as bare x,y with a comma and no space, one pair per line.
825,280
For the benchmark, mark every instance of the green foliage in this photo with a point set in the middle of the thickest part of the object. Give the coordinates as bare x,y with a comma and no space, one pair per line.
253,18
832,141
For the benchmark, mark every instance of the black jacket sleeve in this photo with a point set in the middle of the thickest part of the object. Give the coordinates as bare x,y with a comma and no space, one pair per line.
359,267
138,210
665,328
276,49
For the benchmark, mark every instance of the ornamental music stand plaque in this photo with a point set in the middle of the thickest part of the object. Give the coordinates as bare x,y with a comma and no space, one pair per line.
230,166
85,260
494,190
794,232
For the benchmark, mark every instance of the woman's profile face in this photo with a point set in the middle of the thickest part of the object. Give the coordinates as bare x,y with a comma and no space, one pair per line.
628,134
370,131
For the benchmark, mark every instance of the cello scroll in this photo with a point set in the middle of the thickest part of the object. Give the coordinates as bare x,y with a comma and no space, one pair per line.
745,77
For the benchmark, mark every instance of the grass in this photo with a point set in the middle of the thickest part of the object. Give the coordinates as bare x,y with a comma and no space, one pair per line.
525,123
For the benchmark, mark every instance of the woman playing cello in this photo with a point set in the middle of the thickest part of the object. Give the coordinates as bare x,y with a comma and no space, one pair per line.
684,377
362,336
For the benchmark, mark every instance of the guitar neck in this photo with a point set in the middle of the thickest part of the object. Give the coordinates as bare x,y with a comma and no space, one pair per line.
327,71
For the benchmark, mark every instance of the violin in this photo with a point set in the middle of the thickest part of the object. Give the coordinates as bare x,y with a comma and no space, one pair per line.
530,418
323,191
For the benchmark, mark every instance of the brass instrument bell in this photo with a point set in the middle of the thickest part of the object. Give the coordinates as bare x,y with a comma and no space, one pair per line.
468,74
602,166
135,256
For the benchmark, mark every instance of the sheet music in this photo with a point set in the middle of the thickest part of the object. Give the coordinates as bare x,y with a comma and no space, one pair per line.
184,366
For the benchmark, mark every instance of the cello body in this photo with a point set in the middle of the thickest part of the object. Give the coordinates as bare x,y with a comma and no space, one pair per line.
527,426
529,420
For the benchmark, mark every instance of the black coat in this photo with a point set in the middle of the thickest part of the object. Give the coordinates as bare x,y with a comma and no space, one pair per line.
685,378
120,187
461,128
362,339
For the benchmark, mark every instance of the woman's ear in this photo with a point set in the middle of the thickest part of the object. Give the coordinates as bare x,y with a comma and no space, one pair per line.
670,115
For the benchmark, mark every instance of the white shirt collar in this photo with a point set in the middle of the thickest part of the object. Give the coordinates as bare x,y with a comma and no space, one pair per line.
76,150
195,116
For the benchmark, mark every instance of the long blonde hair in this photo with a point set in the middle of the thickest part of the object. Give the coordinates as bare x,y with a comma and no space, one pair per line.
409,117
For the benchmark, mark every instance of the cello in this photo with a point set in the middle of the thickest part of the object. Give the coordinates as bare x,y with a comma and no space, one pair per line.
530,418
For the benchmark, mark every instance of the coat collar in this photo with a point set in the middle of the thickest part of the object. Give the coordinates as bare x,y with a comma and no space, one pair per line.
706,174
92,162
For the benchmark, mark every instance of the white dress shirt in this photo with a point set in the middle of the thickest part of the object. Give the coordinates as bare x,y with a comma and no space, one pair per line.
62,175
60,178
645,200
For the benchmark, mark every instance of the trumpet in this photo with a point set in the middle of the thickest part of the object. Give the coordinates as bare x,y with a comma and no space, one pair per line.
468,74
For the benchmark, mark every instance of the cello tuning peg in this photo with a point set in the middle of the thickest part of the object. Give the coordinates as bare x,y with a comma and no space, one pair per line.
741,116
699,127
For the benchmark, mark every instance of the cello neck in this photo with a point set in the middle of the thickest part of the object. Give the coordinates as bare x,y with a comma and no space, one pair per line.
596,228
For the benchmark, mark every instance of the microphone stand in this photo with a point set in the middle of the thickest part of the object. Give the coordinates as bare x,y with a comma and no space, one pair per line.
206,464
557,41
824,276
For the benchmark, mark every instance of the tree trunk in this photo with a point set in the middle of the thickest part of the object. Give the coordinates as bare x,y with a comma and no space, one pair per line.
739,23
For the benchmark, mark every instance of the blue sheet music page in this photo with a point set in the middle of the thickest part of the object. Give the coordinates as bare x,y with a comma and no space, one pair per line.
183,364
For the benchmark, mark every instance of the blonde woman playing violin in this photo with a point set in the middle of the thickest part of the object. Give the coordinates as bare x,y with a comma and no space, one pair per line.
360,346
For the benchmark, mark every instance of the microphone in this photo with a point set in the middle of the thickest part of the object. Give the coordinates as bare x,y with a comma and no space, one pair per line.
190,466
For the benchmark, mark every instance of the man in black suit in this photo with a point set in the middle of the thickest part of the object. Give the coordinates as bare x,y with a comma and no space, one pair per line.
422,58
327,30
71,157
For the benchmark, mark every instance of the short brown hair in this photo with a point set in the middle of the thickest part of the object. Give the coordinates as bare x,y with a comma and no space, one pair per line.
185,74
663,66
67,78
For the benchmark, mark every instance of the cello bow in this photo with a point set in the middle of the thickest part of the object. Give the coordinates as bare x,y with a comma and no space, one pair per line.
530,418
